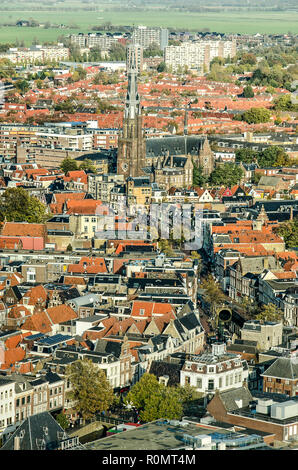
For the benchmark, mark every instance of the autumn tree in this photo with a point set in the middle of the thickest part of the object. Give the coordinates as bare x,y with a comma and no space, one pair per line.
213,294
270,312
16,205
91,392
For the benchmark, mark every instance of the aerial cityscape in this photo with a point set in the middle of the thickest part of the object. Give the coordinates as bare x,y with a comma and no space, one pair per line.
148,228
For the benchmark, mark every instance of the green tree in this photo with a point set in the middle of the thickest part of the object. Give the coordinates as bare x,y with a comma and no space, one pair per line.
248,92
273,156
289,231
153,50
246,155
219,73
198,179
166,247
256,115
227,174
18,206
68,164
22,86
284,103
155,400
90,392
117,52
87,165
161,67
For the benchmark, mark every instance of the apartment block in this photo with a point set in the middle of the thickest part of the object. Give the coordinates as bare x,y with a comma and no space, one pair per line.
197,55
145,36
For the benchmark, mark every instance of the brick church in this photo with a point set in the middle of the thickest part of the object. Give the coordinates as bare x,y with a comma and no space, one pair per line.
167,161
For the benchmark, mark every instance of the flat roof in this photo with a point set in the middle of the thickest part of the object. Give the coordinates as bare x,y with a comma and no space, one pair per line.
157,435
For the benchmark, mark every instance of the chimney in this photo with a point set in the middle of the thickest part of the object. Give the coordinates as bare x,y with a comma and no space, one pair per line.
16,443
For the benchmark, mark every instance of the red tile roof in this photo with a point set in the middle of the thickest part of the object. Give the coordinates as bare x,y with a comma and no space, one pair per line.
61,313
23,229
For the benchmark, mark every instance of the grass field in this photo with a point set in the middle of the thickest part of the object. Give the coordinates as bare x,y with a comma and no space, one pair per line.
225,22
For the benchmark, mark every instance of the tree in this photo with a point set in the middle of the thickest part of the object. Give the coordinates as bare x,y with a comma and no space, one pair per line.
87,165
68,164
153,50
219,73
289,231
18,206
161,67
273,156
246,155
248,92
90,392
198,179
213,293
270,312
227,174
284,103
22,86
248,58
117,52
256,115
155,400
166,247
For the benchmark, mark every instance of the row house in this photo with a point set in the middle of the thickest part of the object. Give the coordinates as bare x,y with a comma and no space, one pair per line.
104,360
7,403
289,305
25,395
156,349
273,291
244,273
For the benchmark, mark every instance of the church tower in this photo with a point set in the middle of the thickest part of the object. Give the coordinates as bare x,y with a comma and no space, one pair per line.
206,158
131,157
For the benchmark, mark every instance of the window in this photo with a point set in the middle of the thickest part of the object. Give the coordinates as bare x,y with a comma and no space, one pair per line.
210,384
199,383
187,380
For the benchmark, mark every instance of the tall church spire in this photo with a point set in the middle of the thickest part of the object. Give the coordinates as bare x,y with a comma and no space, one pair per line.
131,142
132,102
